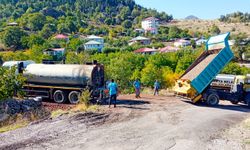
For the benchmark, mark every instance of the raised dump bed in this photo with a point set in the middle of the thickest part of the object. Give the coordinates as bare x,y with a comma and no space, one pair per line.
201,73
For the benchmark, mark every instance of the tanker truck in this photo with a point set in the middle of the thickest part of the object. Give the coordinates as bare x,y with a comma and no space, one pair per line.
195,83
62,83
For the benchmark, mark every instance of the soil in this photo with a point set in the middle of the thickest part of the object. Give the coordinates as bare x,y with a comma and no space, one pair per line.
192,74
160,122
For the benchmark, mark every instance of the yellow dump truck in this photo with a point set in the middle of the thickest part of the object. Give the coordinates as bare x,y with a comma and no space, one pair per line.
195,83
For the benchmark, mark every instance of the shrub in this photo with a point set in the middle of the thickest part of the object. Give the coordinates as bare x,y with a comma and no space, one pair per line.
85,98
10,83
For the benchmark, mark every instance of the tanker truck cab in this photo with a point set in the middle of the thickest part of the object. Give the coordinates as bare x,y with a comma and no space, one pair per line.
239,91
63,83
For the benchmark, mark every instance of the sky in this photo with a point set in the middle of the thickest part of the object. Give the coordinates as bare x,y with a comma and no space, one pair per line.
210,9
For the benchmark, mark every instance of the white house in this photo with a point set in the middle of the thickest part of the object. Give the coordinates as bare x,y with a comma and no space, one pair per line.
91,45
150,25
94,42
140,40
95,38
182,43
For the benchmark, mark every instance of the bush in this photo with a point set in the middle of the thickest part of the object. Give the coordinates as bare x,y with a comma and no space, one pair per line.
235,69
10,83
85,98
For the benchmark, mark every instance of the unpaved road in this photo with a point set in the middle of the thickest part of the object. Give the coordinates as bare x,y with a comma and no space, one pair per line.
148,123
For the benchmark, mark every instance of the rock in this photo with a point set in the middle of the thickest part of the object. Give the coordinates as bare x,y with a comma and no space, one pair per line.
14,107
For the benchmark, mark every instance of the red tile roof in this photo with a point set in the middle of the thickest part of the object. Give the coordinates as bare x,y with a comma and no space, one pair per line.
150,18
143,50
169,49
61,36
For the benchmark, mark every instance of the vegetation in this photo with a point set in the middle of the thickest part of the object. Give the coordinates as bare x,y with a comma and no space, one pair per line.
235,17
85,98
10,83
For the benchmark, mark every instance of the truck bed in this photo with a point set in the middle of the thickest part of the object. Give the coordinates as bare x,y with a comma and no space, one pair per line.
199,67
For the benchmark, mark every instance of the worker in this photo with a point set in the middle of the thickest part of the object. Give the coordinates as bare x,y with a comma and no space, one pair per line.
113,91
137,86
156,87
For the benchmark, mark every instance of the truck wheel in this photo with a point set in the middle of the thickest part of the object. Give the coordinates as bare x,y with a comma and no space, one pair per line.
213,99
59,96
74,97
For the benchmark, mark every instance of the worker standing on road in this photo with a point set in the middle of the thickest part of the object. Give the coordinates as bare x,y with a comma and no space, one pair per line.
137,86
156,87
113,91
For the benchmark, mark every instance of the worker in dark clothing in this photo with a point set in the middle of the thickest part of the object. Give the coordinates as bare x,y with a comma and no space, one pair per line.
156,87
113,91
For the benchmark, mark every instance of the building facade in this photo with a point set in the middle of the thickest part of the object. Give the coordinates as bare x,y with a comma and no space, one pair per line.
150,25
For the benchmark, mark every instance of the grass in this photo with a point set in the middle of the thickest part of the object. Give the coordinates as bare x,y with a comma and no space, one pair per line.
84,108
13,126
57,113
204,25
77,108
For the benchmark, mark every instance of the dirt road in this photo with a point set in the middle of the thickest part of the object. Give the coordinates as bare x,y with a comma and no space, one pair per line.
148,123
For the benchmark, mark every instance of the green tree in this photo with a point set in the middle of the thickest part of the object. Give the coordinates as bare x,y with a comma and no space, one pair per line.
36,21
31,40
240,46
214,29
12,37
173,32
108,21
48,30
10,83
127,24
149,74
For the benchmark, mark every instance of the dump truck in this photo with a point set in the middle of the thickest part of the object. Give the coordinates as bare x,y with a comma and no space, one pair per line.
62,82
195,83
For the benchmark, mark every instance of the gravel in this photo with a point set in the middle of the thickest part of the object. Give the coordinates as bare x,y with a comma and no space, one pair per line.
148,123
192,74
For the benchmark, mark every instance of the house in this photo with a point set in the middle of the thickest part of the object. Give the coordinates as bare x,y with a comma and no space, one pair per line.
61,37
149,51
140,31
95,38
12,24
168,49
150,25
140,40
56,53
94,42
201,41
92,45
182,43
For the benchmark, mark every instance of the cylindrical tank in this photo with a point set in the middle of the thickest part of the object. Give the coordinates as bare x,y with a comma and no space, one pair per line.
10,64
65,75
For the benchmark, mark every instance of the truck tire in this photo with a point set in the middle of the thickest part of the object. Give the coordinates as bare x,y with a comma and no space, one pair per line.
59,97
74,97
213,99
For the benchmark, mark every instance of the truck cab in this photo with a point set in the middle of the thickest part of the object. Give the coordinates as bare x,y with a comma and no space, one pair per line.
235,91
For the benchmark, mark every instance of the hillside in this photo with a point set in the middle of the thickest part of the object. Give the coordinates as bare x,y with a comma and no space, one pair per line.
191,17
205,25
71,15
